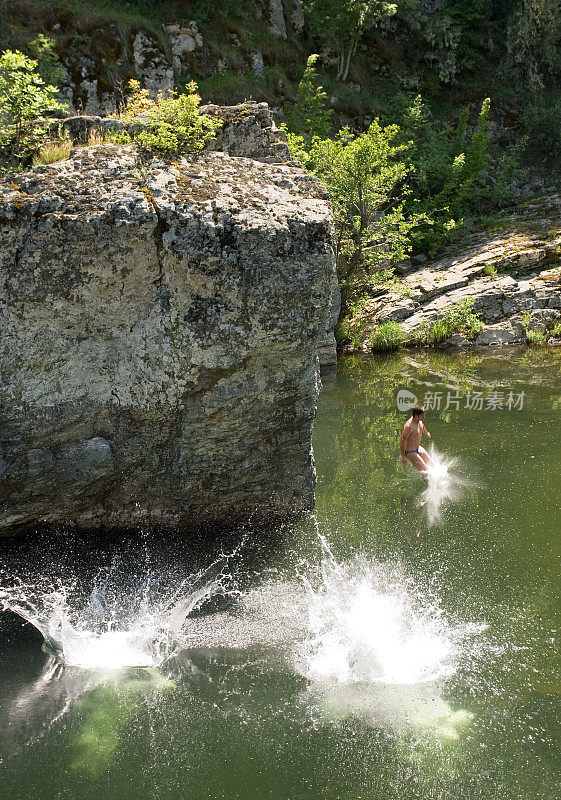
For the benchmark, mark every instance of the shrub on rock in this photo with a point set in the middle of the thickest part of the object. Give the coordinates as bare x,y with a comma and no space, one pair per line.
171,124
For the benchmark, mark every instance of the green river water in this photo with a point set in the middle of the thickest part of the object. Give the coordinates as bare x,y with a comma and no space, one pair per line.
401,643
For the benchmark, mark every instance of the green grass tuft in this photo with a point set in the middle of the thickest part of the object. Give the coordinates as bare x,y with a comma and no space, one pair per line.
51,152
455,319
387,336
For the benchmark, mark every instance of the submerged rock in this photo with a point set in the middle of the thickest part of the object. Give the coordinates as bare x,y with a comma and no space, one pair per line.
159,338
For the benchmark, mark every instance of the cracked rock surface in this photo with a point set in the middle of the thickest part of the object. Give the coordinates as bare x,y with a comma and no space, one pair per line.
159,331
509,272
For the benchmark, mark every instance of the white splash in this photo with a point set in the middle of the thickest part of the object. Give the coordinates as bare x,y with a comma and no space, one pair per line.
117,627
444,485
380,648
368,623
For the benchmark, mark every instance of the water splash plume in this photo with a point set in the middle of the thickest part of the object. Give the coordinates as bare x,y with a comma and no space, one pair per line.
118,625
444,485
367,622
379,647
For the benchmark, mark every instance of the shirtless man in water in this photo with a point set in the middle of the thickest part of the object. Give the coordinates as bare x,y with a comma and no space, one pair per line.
410,442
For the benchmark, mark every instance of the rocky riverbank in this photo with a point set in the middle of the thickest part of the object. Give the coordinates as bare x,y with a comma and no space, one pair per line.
160,328
512,274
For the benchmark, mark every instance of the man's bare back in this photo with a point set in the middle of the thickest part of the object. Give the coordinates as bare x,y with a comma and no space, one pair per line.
410,442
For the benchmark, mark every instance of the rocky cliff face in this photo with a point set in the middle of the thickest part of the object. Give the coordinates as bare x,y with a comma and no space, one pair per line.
159,334
512,274
99,54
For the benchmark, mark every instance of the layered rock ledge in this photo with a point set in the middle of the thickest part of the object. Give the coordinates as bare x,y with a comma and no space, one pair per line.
159,332
512,274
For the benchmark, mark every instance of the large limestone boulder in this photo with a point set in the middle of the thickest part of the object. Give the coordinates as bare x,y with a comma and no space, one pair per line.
159,332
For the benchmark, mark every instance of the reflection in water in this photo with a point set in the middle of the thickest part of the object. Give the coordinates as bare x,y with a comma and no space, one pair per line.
413,710
107,701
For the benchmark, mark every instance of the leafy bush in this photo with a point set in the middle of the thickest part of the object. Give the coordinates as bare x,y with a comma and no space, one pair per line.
387,336
171,125
438,332
24,97
491,270
533,41
366,180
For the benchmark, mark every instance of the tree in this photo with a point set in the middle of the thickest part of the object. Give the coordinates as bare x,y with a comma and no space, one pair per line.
309,115
366,183
339,25
24,97
534,40
48,63
469,166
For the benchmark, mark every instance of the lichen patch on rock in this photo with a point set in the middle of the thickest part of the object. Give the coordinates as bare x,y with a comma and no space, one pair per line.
160,326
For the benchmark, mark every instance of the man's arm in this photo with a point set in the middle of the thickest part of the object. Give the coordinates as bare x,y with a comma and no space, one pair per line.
402,443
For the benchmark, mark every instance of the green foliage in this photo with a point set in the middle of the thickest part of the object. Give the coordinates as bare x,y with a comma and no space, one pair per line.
349,331
387,280
309,116
203,11
42,48
117,137
534,41
24,97
468,167
339,25
438,332
387,336
491,271
366,182
456,175
455,319
541,119
533,336
173,124
556,331
506,175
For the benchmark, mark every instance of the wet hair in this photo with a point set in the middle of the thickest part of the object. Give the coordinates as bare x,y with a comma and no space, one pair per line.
418,410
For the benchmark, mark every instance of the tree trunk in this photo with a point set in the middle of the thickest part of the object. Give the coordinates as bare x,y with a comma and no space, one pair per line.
350,54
